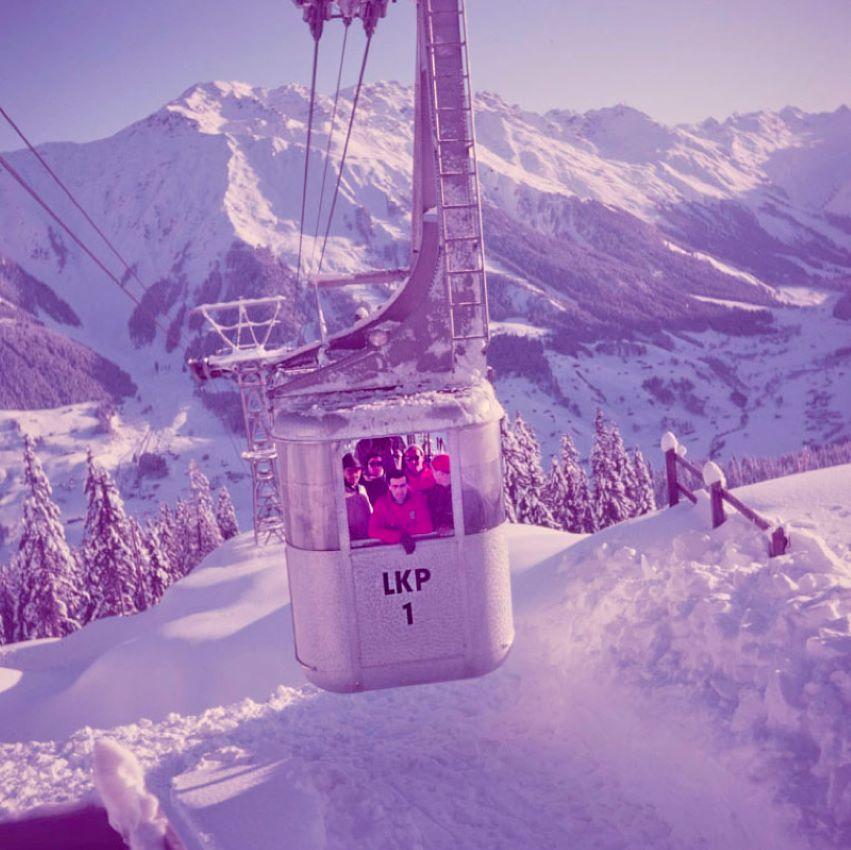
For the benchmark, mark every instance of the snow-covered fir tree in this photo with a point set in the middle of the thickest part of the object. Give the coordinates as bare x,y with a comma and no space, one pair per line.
610,500
204,531
167,534
644,497
623,467
47,593
579,516
556,494
159,569
226,514
530,504
142,594
9,595
512,470
186,553
45,565
107,550
35,477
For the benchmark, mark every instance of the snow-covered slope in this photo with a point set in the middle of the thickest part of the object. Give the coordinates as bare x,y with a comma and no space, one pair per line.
670,687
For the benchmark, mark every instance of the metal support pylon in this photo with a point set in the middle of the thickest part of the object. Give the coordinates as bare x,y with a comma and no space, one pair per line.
261,454
246,328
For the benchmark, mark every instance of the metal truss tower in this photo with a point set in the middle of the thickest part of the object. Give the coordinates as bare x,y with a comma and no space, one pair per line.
245,339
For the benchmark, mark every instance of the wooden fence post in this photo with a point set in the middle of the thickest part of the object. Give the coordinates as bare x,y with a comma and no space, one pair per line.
671,469
713,478
718,516
669,446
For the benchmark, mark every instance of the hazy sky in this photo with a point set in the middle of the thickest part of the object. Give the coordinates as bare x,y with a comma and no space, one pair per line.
82,69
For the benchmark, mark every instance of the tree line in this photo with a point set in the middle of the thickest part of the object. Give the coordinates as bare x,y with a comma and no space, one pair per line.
121,567
620,485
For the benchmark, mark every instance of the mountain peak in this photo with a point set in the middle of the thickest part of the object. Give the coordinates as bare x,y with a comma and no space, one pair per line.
621,132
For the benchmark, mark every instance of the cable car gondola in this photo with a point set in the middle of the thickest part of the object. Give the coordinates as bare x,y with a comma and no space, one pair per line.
368,614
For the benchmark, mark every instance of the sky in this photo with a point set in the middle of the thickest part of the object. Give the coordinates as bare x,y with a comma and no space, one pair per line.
83,69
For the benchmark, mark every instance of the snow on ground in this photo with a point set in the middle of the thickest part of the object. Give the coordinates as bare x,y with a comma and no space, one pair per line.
761,395
733,305
670,687
727,269
177,428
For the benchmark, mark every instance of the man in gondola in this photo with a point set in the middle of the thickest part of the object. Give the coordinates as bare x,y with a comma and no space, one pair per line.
440,501
440,496
420,477
358,507
374,480
400,513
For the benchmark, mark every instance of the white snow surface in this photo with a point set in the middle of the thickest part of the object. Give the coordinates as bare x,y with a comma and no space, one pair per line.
713,474
670,687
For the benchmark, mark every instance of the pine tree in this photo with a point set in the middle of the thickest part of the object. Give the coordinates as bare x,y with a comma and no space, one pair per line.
107,553
586,517
645,499
34,476
512,470
530,504
205,530
9,595
187,555
610,501
167,534
556,495
226,514
142,597
159,570
44,564
579,516
624,469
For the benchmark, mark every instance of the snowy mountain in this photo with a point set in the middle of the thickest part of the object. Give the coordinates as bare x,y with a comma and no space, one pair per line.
670,687
693,277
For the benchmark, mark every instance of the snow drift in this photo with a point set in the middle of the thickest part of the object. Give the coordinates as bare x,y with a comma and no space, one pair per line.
671,686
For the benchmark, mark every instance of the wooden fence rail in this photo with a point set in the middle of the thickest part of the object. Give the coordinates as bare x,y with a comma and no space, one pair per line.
712,478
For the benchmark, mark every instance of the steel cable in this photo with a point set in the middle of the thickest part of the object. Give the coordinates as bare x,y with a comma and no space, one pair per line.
130,270
345,150
44,205
330,139
307,155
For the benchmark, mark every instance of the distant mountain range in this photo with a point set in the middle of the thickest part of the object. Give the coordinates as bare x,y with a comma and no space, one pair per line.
693,277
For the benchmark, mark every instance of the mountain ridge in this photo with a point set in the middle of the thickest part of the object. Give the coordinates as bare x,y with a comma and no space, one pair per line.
600,226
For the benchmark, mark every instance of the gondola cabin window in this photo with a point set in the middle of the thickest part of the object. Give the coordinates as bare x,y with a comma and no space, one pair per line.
397,488
479,448
309,476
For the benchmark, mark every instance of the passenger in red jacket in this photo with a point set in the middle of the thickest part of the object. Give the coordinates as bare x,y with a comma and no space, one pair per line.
400,513
420,477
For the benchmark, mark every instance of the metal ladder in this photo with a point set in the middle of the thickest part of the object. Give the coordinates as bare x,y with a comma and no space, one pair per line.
459,201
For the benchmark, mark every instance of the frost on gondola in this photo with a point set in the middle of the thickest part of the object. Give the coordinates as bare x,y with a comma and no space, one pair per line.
367,615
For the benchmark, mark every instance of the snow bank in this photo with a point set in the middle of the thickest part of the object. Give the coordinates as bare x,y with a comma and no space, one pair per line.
133,812
220,634
760,647
713,474
670,686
